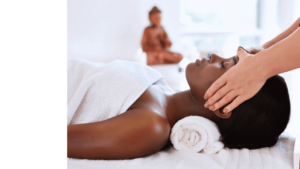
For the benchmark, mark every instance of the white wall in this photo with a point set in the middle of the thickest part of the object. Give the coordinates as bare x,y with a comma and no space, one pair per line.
103,30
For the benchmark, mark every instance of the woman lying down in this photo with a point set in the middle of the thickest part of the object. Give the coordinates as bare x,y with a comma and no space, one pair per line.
125,110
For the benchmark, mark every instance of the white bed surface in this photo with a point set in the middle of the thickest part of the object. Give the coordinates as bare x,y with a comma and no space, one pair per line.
277,157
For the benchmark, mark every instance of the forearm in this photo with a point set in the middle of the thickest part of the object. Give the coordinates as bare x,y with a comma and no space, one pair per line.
283,35
281,57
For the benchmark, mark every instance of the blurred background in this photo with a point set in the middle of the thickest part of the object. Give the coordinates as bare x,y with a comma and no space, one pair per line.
104,30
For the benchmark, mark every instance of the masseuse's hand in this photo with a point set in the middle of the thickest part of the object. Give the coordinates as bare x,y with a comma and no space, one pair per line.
238,84
253,50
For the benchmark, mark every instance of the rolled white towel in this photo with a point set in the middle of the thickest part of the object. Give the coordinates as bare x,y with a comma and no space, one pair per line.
213,148
195,133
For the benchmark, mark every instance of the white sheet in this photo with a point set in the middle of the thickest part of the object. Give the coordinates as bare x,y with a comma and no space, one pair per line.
279,156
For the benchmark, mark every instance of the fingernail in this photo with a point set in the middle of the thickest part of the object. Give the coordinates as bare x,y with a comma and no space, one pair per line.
239,48
225,110
205,97
211,107
206,105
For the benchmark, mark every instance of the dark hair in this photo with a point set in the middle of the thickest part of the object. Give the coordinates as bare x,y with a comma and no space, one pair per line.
259,121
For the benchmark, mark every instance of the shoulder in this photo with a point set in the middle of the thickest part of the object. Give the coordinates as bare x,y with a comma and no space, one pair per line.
155,123
162,28
151,129
148,130
147,31
152,123
148,28
158,128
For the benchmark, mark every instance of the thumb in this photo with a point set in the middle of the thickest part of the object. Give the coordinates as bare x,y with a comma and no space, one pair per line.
241,53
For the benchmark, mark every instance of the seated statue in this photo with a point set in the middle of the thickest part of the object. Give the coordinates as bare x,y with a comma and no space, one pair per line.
155,42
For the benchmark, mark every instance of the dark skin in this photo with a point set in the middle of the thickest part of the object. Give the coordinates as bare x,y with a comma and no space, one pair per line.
156,43
145,127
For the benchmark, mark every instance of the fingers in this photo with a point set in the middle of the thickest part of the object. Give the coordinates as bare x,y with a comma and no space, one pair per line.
242,53
236,102
215,86
226,99
217,96
248,50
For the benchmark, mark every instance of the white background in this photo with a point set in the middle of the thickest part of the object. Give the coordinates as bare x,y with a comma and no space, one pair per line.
104,30
33,52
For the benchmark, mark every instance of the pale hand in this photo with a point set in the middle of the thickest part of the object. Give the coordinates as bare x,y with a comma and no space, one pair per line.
237,85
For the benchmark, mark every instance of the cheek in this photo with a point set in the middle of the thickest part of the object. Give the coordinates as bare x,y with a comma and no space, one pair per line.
204,77
190,72
194,77
211,76
205,80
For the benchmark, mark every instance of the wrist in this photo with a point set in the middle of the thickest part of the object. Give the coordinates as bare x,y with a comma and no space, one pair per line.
262,69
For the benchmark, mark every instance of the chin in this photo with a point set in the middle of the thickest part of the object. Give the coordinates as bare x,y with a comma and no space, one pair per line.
188,72
189,68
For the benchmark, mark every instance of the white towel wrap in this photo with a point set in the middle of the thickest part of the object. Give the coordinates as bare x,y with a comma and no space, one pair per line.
195,133
98,91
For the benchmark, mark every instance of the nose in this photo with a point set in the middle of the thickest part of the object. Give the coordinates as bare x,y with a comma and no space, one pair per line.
213,58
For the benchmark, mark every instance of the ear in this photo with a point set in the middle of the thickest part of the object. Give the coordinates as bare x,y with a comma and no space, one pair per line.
221,114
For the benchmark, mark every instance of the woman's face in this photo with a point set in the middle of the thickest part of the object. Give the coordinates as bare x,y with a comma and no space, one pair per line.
201,74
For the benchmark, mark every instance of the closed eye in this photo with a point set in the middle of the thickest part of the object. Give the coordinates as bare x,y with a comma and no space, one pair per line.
222,63
234,60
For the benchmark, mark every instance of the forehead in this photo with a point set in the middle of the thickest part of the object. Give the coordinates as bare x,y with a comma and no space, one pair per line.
155,14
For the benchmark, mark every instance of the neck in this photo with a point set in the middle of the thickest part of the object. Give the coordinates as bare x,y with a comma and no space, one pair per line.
183,104
154,26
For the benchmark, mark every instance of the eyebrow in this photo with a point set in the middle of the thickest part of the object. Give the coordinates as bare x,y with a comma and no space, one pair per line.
234,60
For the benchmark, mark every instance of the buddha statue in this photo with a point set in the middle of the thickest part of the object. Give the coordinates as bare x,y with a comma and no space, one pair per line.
156,43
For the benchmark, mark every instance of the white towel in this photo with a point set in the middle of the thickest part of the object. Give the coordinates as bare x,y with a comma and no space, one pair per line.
98,91
213,148
279,156
195,133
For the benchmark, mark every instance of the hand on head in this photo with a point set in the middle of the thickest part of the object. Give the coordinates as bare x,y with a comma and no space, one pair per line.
253,50
237,85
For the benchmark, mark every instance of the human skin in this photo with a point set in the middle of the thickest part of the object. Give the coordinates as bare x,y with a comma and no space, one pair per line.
244,80
145,127
281,36
156,43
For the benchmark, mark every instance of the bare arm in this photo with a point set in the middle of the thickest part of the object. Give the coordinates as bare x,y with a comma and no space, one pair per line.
283,35
129,135
281,57
245,79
